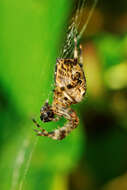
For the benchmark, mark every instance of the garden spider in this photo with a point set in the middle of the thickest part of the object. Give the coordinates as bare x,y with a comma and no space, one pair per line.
70,87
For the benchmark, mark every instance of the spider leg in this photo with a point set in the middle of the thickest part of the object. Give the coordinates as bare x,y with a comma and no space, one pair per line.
42,131
61,133
71,124
56,119
76,52
81,56
75,49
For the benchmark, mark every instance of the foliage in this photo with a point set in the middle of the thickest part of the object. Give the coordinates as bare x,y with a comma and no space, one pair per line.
30,37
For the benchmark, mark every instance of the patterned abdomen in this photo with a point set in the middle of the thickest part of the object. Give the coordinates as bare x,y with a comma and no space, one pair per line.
70,80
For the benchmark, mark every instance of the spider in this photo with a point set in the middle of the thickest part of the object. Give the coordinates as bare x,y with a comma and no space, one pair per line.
70,88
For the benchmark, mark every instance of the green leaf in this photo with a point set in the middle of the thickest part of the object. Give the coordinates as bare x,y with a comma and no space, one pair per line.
30,36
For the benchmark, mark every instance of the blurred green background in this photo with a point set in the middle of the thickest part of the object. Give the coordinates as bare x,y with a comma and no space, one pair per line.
92,157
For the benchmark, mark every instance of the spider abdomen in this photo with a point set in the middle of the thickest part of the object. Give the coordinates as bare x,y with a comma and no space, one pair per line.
70,81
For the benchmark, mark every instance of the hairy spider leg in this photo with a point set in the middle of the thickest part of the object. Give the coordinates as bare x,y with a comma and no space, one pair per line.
39,126
76,52
80,55
61,133
42,130
75,49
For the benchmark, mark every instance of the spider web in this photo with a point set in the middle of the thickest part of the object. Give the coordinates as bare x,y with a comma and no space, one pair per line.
82,14
75,29
79,19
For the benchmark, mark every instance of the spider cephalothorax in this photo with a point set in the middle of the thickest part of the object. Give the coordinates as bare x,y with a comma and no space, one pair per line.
70,87
46,113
